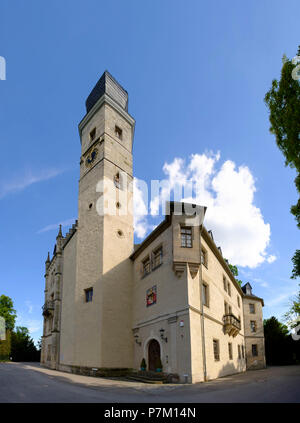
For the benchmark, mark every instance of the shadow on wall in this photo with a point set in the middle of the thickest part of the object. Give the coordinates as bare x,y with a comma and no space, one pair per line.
230,368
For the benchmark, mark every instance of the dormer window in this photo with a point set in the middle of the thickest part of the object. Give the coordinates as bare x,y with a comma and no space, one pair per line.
93,134
118,132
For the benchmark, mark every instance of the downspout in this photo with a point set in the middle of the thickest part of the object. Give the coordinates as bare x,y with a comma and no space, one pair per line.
202,314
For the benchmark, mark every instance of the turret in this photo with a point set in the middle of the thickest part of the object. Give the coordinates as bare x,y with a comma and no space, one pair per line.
47,262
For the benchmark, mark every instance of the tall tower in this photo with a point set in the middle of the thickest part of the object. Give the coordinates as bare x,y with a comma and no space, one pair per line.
103,327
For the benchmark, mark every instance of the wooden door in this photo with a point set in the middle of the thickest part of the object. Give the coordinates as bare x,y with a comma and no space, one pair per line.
153,354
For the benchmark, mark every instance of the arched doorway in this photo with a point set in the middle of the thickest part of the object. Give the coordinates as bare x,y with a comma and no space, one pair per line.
153,354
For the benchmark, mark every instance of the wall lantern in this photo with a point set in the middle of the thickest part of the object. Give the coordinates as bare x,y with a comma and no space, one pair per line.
162,331
137,340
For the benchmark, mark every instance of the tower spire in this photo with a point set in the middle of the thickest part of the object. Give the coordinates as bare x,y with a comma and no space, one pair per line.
59,232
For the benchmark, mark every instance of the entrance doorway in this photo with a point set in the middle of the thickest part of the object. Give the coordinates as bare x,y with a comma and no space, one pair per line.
153,354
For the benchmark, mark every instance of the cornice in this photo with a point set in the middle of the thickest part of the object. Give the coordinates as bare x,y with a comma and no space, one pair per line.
108,100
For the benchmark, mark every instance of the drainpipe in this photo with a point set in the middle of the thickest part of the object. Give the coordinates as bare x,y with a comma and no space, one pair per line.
202,314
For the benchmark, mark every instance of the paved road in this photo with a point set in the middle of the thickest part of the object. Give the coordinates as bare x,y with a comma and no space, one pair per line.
27,382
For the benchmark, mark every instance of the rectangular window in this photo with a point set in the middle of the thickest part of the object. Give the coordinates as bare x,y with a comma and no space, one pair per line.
204,257
146,266
238,301
216,349
49,353
254,350
239,352
230,350
228,289
88,295
225,284
243,352
253,325
92,134
186,237
205,298
118,132
157,257
229,310
226,307
252,308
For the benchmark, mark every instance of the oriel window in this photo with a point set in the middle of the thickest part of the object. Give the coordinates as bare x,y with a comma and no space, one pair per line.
186,237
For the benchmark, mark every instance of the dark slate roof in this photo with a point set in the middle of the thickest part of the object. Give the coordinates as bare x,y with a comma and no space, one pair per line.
107,85
244,288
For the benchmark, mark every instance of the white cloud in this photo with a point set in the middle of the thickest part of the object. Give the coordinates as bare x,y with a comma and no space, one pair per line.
140,209
27,179
271,258
53,226
261,282
29,306
228,192
274,301
33,325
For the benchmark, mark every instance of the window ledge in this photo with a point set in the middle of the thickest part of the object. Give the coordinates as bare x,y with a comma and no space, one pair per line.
156,267
145,275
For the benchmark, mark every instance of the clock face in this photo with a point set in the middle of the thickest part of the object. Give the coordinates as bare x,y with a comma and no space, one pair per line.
91,157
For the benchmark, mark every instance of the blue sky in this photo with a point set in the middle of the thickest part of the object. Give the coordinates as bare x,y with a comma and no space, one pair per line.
196,73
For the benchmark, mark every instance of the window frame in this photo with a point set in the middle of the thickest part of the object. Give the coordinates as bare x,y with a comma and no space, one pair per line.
256,350
92,134
239,352
154,252
230,353
205,289
118,132
146,259
204,254
186,228
224,283
87,297
253,326
216,353
253,305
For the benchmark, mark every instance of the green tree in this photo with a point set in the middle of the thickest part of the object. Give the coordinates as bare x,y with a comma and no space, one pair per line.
280,348
296,263
22,346
235,272
7,311
293,314
283,101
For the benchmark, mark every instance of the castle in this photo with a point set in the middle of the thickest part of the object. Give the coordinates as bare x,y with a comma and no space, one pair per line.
171,300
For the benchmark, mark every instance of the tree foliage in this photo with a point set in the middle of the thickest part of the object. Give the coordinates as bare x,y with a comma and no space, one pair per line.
296,264
7,311
235,272
283,101
22,346
280,348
